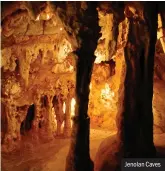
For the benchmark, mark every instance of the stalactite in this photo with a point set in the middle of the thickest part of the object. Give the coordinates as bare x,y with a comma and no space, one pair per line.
114,12
24,62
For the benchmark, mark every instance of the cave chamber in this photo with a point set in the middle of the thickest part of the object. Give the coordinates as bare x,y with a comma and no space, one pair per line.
82,83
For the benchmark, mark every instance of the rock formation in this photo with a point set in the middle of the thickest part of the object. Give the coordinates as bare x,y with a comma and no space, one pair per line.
66,65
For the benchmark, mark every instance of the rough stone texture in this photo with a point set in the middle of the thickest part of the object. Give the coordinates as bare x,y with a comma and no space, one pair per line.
48,78
37,67
107,156
137,112
79,157
159,107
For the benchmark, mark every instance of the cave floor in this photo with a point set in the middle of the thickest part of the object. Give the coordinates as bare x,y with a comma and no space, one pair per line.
51,156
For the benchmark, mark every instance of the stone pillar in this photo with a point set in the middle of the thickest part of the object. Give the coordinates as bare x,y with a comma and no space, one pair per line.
58,106
50,118
35,124
78,158
38,110
137,113
151,16
67,126
12,136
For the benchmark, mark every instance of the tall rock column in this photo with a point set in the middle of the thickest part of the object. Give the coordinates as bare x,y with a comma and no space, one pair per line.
78,158
12,134
148,149
57,104
139,56
67,127
50,118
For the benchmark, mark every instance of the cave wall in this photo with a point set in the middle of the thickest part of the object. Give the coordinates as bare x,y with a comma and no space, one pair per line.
105,117
35,67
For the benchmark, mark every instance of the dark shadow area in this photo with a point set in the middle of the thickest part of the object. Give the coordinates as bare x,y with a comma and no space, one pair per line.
3,122
26,125
160,151
44,101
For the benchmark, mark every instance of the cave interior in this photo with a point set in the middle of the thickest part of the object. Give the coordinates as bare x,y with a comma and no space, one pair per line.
82,84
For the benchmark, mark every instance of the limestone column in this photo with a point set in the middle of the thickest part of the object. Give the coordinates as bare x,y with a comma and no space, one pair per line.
137,116
12,135
38,110
151,17
35,123
58,106
67,126
78,158
50,118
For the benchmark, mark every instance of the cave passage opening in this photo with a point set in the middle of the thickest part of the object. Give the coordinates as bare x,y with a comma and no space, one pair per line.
26,124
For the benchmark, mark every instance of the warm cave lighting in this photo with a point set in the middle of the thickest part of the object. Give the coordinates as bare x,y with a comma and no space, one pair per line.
48,16
43,16
38,17
99,57
90,86
64,110
54,23
53,113
106,94
64,50
62,126
61,29
71,68
160,32
64,107
73,103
